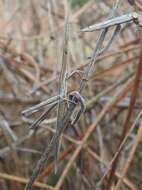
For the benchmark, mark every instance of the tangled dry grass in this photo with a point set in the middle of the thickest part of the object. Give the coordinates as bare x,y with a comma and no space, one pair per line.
102,150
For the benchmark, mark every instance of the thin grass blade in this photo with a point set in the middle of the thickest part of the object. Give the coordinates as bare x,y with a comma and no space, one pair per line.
62,86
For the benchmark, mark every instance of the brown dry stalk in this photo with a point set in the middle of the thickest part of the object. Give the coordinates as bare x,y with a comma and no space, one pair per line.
126,124
113,68
28,60
24,181
135,41
109,89
134,95
120,148
130,157
98,158
94,156
111,54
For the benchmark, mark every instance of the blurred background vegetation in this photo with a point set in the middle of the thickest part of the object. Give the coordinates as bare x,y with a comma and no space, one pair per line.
31,35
